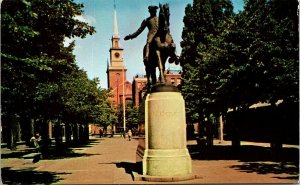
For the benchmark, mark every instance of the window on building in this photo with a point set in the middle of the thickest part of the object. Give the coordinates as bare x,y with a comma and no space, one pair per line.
178,81
172,80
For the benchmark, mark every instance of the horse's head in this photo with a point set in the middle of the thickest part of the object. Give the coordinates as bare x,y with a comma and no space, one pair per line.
164,16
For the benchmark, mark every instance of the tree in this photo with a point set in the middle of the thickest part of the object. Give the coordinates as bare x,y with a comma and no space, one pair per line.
273,48
133,116
269,68
83,102
234,61
30,74
203,24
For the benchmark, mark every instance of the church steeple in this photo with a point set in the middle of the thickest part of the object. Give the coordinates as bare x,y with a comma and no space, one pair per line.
115,37
116,51
116,71
116,33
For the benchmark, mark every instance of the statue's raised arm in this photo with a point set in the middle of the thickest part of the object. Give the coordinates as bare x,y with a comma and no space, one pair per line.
139,31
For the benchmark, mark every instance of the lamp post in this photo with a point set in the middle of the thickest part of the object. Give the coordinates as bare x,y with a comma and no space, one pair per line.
118,76
124,118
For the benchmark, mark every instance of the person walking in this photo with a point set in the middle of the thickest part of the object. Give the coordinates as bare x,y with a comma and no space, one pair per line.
124,134
129,134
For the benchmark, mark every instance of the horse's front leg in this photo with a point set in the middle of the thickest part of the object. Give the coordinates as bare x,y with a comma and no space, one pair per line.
148,76
161,68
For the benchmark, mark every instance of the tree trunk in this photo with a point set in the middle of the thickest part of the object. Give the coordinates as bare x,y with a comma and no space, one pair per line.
81,138
202,141
58,135
201,130
209,133
45,142
276,143
75,134
236,141
12,138
32,127
68,134
27,128
86,132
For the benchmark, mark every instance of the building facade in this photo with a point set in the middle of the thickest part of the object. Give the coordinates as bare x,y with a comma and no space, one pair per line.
139,83
138,88
173,77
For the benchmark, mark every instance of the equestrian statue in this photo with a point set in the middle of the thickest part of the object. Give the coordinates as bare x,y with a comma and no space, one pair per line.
159,46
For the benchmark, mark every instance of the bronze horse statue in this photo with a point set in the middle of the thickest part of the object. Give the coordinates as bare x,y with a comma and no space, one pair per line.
161,48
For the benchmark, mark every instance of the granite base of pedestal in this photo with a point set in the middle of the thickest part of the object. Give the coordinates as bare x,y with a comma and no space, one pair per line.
164,155
138,177
165,166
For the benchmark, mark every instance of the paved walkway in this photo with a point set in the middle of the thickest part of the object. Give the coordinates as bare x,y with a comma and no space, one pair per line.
110,161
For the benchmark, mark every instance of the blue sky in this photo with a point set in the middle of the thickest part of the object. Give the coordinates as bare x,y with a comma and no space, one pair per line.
92,52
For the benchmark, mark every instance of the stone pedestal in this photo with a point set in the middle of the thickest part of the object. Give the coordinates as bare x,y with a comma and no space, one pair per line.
165,155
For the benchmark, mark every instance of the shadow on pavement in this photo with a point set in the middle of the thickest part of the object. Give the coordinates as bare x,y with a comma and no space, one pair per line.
288,168
130,167
246,153
90,143
62,153
257,159
17,154
54,152
28,176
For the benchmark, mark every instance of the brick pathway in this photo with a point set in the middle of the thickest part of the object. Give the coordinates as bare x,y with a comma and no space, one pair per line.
110,161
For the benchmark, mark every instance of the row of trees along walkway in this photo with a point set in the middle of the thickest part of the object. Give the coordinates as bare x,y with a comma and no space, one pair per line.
41,81
234,60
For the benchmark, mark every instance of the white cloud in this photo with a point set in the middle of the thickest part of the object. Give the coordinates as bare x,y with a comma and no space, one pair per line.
67,41
86,18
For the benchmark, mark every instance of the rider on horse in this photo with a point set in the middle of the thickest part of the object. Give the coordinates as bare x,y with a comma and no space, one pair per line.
152,24
159,44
